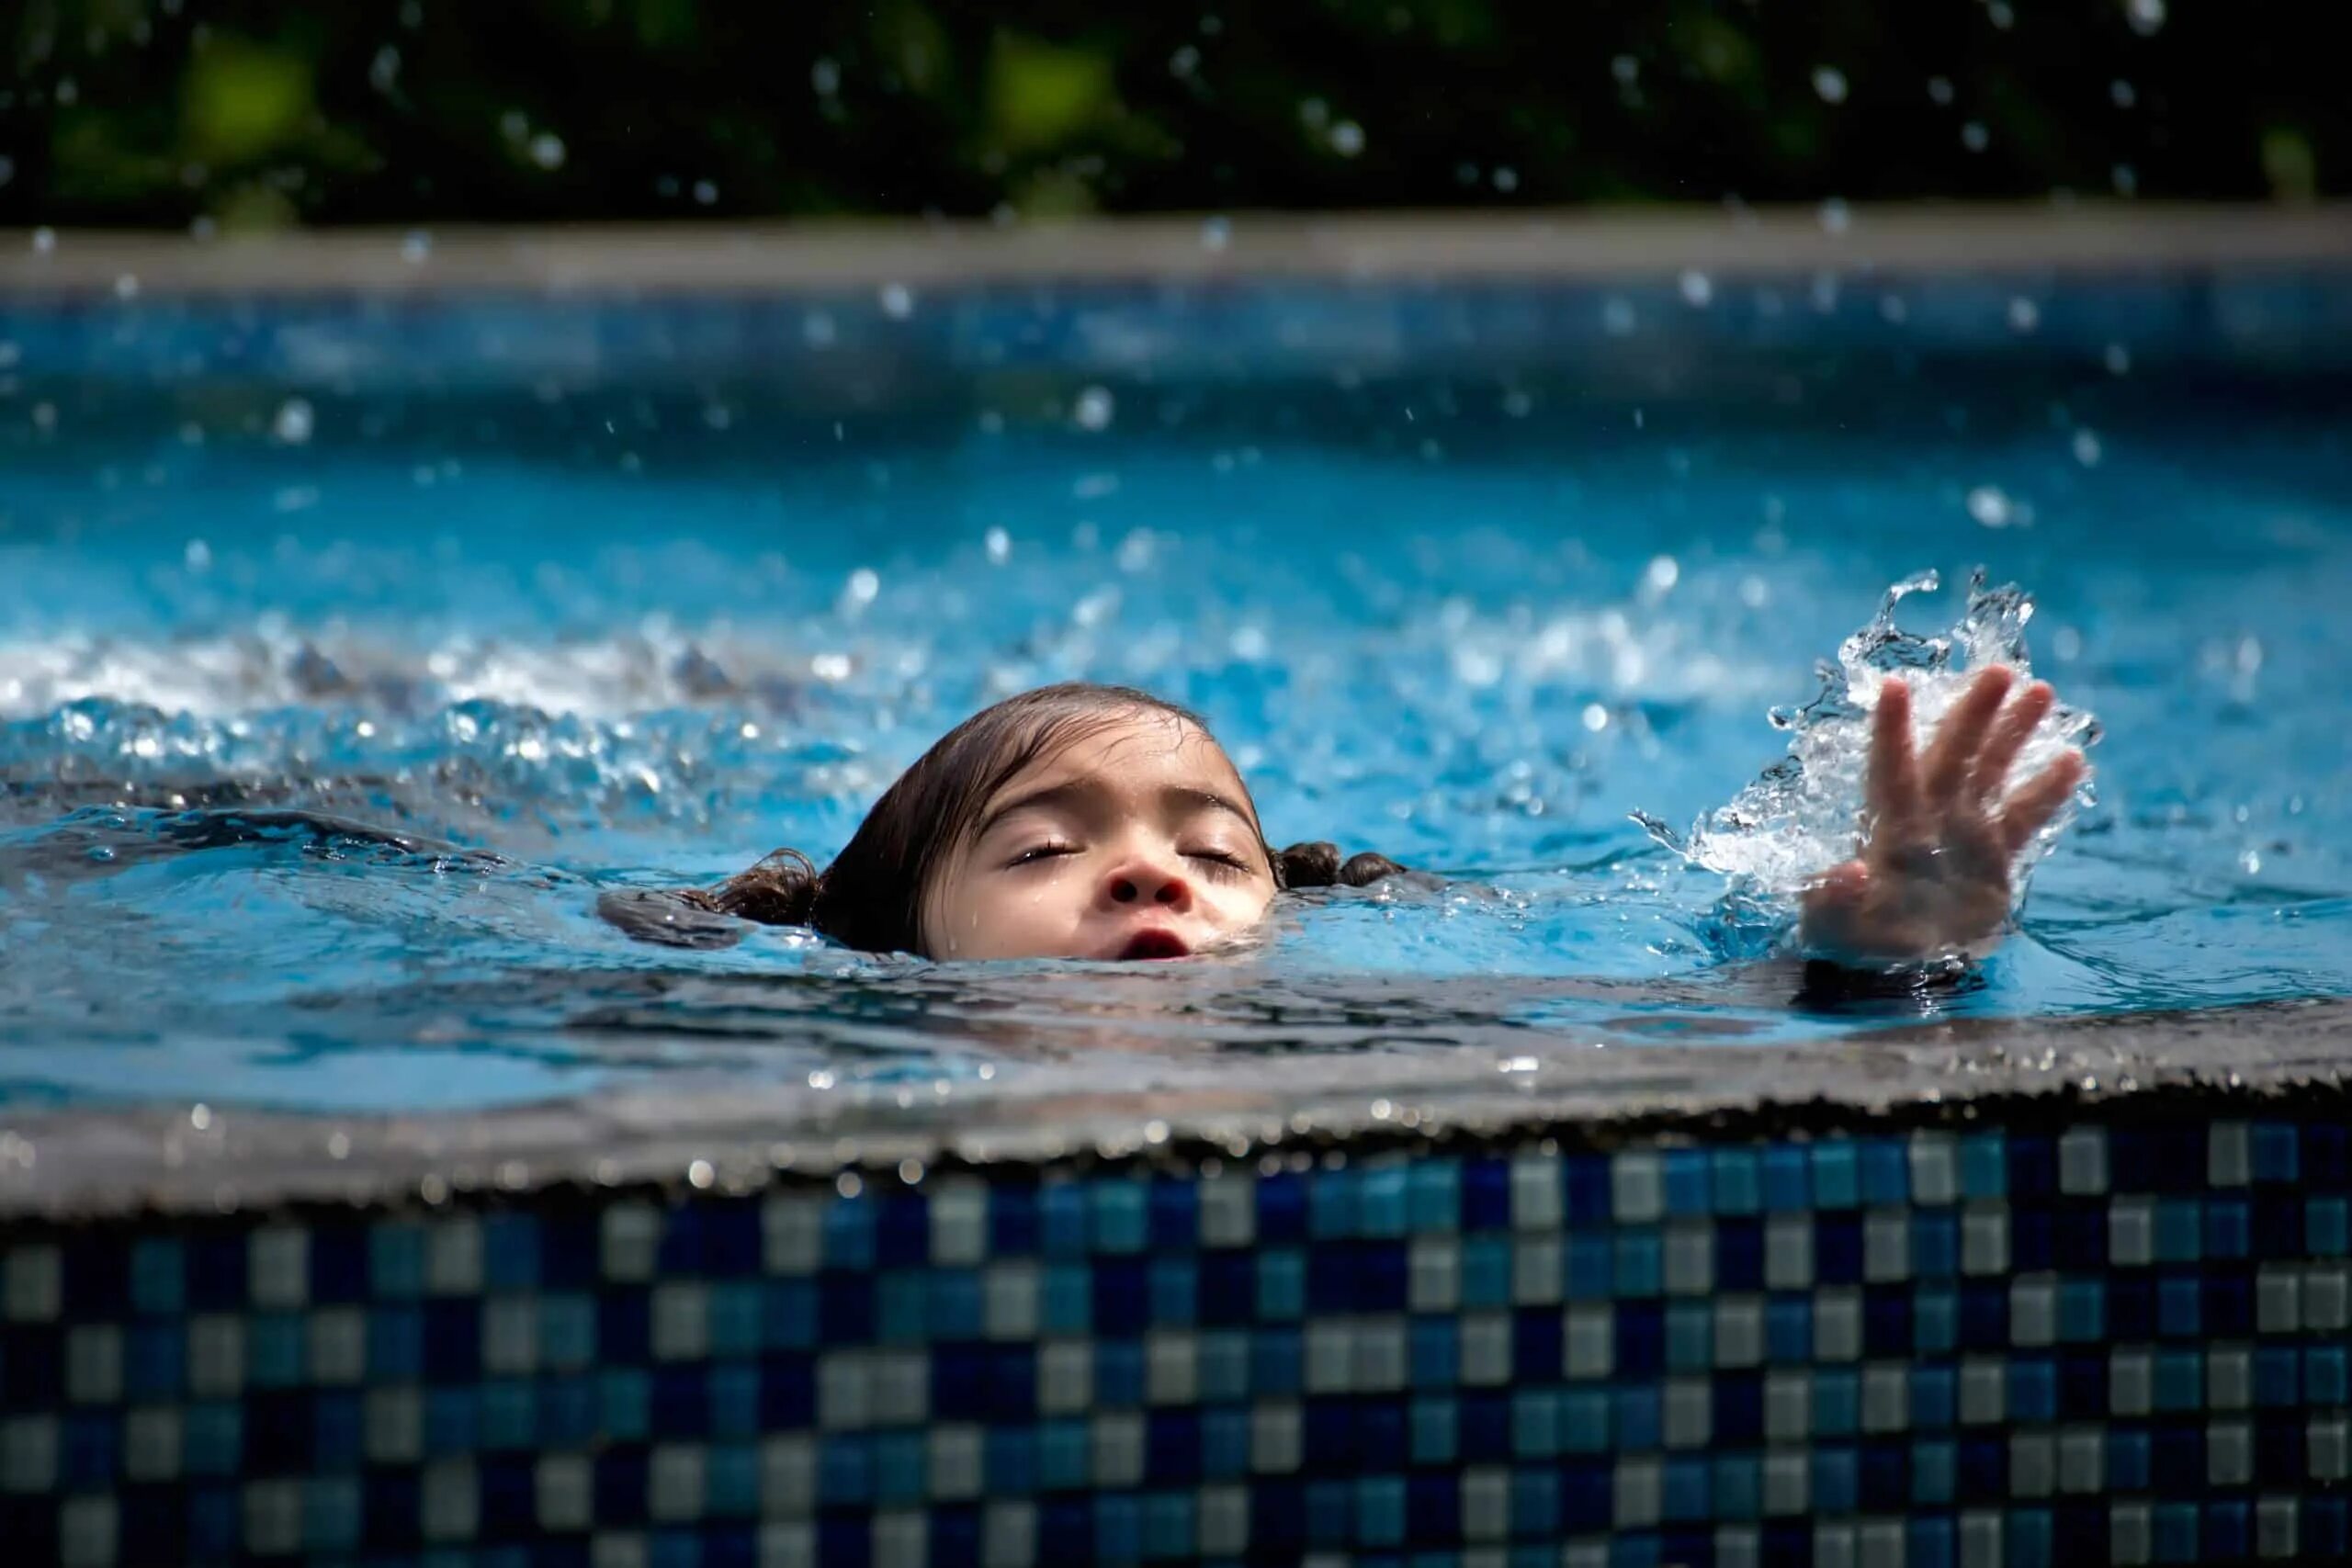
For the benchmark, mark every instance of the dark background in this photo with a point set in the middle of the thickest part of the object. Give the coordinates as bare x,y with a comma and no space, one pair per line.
234,115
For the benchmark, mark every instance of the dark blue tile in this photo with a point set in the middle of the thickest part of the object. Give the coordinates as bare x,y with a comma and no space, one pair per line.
2277,1225
1739,1409
2131,1305
97,1278
1983,1473
1277,1519
619,1486
680,1252
1384,1280
32,1367
845,1539
559,1552
1934,1398
1485,1427
1641,1339
1432,1509
510,1250
1536,1344
2033,1240
2327,1521
90,1451
2227,1538
509,1499
1008,1460
788,1391
1275,1352
1984,1315
1886,1476
681,1403
1787,1544
1838,1248
570,1414
338,1265
1587,1496
279,1430
624,1328
2081,1241
902,1231
2179,1305
2229,1301
955,1538
1013,1219
2079,1532
335,1432
216,1271
729,1545
2127,1463
1886,1320
1121,1291
1228,1287
2033,1168
452,1340
2132,1160
2229,1227
395,1344
1739,1255
571,1250
1013,1383
1636,1416
1171,1454
2177,1454
2181,1161
390,1506
2279,1450
2034,1389
1935,1244
960,1383
844,1307
734,1243
1175,1214
1687,1547
1486,1193
2277,1377
1118,1373
152,1519
1589,1190
2081,1385
1281,1208
2327,1156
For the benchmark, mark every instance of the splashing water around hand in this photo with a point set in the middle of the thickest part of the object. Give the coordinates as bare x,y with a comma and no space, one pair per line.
1798,816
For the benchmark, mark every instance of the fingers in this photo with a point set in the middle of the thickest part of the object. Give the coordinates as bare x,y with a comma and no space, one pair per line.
2033,806
2010,732
1894,786
1961,734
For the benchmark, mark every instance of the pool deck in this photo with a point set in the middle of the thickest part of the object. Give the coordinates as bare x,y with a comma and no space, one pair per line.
731,1135
684,258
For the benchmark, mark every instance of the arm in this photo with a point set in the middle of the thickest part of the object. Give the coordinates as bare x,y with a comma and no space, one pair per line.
1938,832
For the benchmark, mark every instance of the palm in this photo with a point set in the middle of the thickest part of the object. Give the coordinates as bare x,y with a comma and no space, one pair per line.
1938,832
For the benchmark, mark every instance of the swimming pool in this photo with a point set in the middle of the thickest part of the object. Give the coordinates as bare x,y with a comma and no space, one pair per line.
577,594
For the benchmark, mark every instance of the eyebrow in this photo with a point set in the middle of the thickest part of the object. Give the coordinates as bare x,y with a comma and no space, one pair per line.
1073,792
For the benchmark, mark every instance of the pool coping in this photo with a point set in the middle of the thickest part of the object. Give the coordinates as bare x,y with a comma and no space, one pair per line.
1559,244
102,1162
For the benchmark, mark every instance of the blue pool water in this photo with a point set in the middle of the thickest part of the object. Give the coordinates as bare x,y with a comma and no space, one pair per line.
635,594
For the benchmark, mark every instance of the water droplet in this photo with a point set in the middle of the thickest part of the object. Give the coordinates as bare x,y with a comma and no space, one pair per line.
44,241
1093,408
706,193
416,247
1215,233
1697,290
200,1116
898,301
864,585
1506,179
1835,216
1664,572
849,1184
1596,717
1626,69
1989,505
1617,317
198,556
825,77
293,424
127,287
2121,94
1829,83
2118,359
700,1173
2146,16
1347,138
1939,91
817,330
1975,137
2086,448
998,544
546,150
2024,314
8,168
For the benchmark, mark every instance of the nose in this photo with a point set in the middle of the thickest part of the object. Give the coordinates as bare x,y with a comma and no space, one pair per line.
1143,882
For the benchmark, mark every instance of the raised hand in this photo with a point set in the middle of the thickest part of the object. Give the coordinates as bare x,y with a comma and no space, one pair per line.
1937,835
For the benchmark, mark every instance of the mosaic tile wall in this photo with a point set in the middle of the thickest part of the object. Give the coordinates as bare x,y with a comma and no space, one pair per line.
2089,1343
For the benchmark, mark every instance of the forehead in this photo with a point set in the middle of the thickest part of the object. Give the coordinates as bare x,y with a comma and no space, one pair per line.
1142,747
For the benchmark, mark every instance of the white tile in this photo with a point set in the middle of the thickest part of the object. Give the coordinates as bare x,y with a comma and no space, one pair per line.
1114,1441
1486,1503
2275,1532
2033,1464
89,1532
1983,1390
1171,1366
1221,1527
2229,1453
1739,1545
393,1419
1485,1348
31,1286
1833,1546
1878,1544
1228,1209
2325,1448
959,1221
1788,1252
2277,1299
453,1257
1935,1169
788,1475
2325,1298
957,1470
1687,1256
632,1240
1585,1554
449,1501
1535,1192
792,1545
1984,1238
1472,1556
1330,1356
510,1335
564,1491
1837,1325
845,1390
2082,1162
1886,1397
1739,1331
2130,1382
901,1539
2130,1232
1786,1482
1980,1538
1687,1416
681,1314
1009,1535
1886,1246
1637,1187
1788,1407
338,1348
152,1443
2228,1154
2131,1533
1641,1486
2082,1459
901,1388
1065,1376
277,1267
2033,1311
1009,1292
1273,1438
1433,1273
674,1482
1381,1354
792,1233
616,1549
93,1364
216,1354
1589,1342
2229,1377
1537,1269
28,1453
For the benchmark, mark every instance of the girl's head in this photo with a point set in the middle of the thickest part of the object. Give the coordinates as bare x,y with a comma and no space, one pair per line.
1074,821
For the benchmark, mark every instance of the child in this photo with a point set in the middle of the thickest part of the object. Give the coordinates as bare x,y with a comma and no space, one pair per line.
1084,821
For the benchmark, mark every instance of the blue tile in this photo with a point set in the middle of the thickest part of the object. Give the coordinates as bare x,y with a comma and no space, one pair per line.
1062,1228
1935,1244
2180,1230
1281,1285
1066,1298
1738,1486
2081,1310
2277,1153
1587,1420
1434,1349
1689,1184
956,1310
844,1469
902,1307
2176,1532
569,1411
1837,1402
1330,1506
1332,1205
452,1422
2181,1379
2180,1305
1121,1215
1486,1270
1739,1181
1927,1543
1535,1506
2278,1376
900,1468
1934,1397
1174,1292
1434,1195
1224,1443
1175,1214
1689,1489
2229,1230
1689,1336
2129,1464
1118,1372
1984,1165
1637,1416
1837,1479
1885,1170
625,1403
1381,1208
1837,1174
395,1261
1591,1267
2327,1226
1787,1179
2034,1389
1934,1471
1275,1352
790,1313
1008,1460
1380,1510
154,1366
2327,1375
212,1438
1435,1425
1063,1462
1638,1265
395,1345
1788,1328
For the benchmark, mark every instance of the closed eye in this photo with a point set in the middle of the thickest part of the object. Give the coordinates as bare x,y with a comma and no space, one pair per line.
1040,853
1224,861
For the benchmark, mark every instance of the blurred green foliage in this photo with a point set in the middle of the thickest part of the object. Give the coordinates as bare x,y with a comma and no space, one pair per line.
261,112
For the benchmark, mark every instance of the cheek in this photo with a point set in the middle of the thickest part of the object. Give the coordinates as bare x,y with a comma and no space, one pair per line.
1000,917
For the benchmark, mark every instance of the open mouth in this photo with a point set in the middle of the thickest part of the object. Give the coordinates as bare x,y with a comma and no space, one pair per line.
1155,945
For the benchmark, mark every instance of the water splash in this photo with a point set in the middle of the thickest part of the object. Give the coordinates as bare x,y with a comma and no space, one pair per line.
1797,816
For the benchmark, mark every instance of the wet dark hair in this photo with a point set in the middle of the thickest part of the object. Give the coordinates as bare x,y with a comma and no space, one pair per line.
871,896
